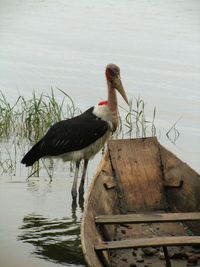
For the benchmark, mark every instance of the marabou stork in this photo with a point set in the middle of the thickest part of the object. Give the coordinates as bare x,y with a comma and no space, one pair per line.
83,136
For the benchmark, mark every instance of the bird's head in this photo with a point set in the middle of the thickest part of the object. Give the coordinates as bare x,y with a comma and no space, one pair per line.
113,76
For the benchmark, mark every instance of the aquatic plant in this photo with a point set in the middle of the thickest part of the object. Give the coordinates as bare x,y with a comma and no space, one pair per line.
135,123
7,115
173,134
26,121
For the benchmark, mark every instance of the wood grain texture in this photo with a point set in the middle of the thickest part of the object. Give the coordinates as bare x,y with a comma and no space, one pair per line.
138,168
187,197
148,217
149,242
99,200
142,168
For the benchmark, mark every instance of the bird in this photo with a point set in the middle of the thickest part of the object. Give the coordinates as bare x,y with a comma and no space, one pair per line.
81,137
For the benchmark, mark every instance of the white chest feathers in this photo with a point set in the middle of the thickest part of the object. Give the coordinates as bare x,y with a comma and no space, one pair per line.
104,113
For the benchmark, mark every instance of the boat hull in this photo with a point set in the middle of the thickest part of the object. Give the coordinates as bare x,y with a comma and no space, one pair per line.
136,176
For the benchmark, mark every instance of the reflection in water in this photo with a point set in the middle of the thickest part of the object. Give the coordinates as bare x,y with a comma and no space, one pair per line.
74,205
54,240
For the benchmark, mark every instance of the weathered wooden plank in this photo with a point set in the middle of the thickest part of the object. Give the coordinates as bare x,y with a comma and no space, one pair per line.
149,242
138,169
109,182
187,197
150,167
99,201
147,217
173,182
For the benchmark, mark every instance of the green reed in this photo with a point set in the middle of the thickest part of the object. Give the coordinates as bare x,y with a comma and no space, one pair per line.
7,115
30,118
135,124
27,120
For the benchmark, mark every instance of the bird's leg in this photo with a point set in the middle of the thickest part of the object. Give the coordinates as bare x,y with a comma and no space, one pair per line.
74,186
81,187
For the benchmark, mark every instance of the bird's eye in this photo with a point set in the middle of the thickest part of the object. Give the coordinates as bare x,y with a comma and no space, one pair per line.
114,72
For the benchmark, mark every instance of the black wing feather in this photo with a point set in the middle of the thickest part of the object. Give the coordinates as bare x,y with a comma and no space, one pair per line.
68,135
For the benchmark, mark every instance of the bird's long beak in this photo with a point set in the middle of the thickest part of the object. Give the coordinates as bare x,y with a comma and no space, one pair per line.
119,87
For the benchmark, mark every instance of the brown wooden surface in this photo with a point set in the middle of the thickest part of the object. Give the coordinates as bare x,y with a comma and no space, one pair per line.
138,169
146,230
148,217
99,200
149,242
173,182
151,164
187,197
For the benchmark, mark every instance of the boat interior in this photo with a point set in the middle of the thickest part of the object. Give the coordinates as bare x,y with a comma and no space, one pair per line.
143,208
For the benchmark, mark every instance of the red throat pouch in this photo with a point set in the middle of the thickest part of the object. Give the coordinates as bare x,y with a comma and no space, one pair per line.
103,103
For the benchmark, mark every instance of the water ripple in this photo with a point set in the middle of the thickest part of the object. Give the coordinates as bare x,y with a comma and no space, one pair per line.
56,240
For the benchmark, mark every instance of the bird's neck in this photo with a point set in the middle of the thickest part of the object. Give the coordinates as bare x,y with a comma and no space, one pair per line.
112,98
112,104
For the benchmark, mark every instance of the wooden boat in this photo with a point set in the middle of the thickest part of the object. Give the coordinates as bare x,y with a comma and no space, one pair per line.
142,208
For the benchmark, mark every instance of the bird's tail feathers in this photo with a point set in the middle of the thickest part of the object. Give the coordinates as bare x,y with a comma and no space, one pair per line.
34,154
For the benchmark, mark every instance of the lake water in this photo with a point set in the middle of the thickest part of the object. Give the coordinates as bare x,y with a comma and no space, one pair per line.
67,44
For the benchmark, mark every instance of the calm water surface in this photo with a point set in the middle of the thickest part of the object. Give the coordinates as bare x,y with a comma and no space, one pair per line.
67,44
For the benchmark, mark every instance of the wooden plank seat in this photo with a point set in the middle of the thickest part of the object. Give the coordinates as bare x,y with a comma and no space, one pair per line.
147,218
148,242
